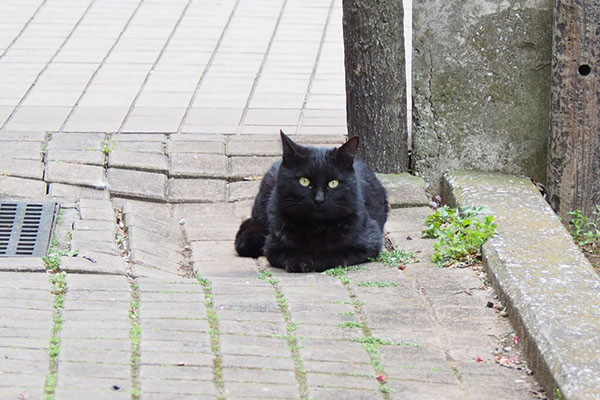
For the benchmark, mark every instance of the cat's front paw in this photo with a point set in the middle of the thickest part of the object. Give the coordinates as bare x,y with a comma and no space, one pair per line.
301,264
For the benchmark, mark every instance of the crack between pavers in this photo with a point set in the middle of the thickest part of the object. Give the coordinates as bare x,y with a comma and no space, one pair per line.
135,329
156,61
11,44
207,67
315,66
291,328
431,312
100,65
372,350
37,78
261,68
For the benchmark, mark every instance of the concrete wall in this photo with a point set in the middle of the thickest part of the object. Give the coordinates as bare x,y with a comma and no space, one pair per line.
481,86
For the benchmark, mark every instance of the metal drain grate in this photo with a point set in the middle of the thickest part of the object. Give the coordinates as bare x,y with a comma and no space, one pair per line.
25,228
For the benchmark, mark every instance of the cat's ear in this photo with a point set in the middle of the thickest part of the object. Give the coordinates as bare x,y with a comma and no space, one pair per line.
291,151
346,153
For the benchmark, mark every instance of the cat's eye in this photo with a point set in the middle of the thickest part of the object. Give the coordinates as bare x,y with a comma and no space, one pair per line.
333,184
304,181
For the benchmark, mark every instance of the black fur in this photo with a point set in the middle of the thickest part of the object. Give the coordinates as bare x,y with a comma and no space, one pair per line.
314,228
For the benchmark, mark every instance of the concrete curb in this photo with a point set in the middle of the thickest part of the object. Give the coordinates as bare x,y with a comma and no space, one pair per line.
550,289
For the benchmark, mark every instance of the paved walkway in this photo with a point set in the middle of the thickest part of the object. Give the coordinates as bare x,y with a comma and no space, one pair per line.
151,122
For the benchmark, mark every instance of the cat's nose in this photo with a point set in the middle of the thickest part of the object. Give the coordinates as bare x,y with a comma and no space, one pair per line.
319,197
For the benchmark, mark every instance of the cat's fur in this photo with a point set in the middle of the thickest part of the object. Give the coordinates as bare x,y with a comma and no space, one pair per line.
313,228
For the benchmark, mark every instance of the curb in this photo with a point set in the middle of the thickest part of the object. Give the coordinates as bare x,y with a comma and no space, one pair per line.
548,286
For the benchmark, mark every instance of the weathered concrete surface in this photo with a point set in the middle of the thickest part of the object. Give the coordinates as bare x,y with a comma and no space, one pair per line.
481,86
404,190
552,292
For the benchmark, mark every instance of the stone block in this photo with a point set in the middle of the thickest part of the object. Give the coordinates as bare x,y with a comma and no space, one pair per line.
93,157
197,146
22,264
197,165
250,167
75,174
243,190
22,150
21,168
74,192
18,188
138,184
97,264
196,190
138,161
404,190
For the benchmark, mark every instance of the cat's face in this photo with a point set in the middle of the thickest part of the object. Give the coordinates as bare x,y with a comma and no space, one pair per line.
317,184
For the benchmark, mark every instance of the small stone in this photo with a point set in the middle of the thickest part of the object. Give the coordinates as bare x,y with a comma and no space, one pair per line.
182,222
503,313
490,304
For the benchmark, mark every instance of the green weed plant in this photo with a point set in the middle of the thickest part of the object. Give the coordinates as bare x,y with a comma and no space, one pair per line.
460,232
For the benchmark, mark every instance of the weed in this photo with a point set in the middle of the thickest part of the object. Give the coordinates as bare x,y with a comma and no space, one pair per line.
350,324
377,284
585,231
214,333
59,289
135,332
347,313
383,388
372,340
461,233
557,394
395,258
108,145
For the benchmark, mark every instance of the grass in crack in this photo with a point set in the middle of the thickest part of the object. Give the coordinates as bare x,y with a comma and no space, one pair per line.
135,332
291,329
59,289
395,258
214,333
586,234
377,284
460,232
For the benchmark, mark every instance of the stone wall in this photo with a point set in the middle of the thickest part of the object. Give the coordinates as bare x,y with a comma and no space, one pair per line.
481,86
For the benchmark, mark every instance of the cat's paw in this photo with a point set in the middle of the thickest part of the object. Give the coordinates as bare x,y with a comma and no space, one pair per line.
301,264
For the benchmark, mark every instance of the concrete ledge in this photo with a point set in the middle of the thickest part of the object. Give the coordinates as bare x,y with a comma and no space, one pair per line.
404,190
550,289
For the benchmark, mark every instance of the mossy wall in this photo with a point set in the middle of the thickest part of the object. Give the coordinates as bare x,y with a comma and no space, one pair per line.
481,86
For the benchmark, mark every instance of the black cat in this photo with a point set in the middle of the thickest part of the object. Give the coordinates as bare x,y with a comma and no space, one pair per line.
316,209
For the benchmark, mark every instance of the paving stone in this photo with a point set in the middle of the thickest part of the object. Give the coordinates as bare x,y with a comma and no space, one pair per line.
145,185
175,372
95,225
93,236
17,188
138,161
212,251
263,391
197,165
21,150
255,375
21,168
99,394
196,190
243,190
84,369
197,146
177,387
76,141
158,357
105,264
250,167
22,264
253,148
404,190
63,191
93,157
75,174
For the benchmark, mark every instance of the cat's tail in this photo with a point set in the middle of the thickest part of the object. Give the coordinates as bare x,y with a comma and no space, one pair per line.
250,239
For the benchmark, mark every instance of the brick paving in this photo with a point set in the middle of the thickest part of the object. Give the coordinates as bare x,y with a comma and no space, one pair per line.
168,112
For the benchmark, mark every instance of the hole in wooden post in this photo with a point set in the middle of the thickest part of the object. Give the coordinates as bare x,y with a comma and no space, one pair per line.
584,70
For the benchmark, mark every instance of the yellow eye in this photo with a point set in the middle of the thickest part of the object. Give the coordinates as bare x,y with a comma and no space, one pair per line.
333,184
304,181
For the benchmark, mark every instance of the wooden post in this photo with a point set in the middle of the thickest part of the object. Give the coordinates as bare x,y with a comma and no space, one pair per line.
376,82
574,145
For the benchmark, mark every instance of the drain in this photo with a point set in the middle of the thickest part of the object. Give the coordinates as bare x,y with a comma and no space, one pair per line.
25,228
